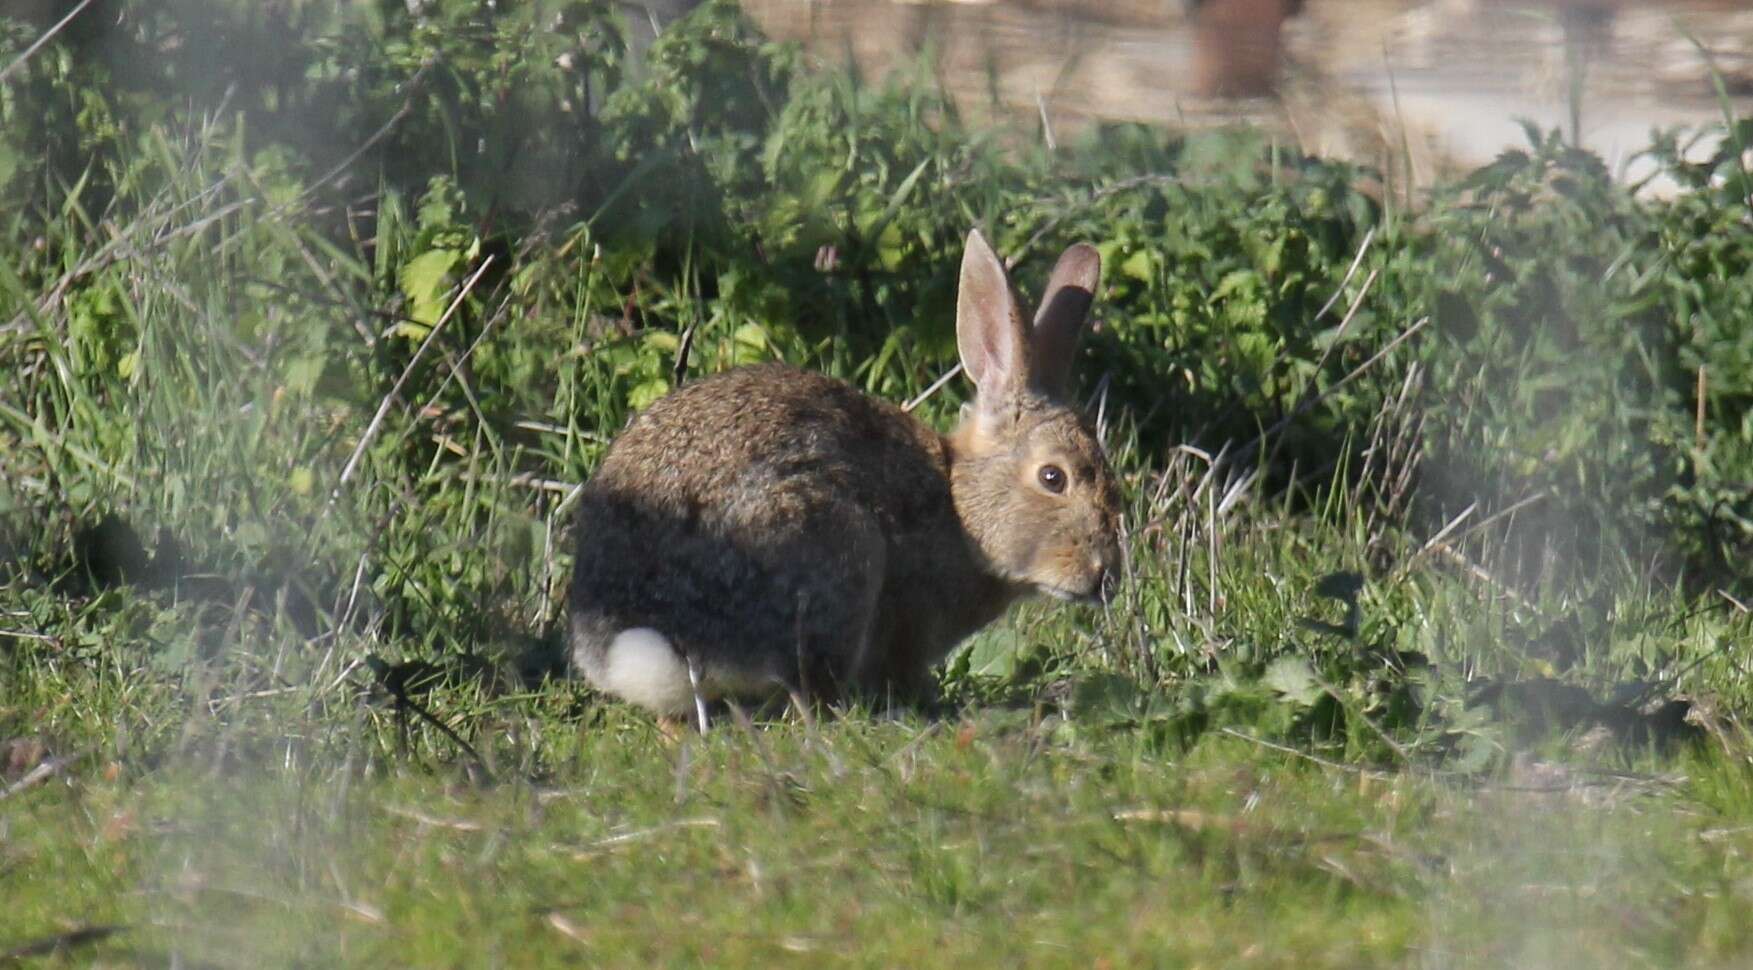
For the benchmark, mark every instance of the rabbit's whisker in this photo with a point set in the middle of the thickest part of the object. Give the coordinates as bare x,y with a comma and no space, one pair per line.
699,694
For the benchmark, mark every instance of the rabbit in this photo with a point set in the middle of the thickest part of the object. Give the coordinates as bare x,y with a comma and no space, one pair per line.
770,529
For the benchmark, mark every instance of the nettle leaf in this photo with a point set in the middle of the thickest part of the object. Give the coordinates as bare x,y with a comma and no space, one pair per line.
1474,753
1107,700
644,394
1244,283
1294,679
302,373
749,344
438,207
425,281
1255,349
1141,265
993,654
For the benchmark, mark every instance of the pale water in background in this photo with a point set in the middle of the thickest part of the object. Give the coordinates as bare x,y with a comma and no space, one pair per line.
1428,88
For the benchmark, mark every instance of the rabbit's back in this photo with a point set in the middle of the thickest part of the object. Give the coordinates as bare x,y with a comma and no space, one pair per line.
728,446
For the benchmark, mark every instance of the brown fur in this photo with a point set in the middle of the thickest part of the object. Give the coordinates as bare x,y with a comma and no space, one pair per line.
781,528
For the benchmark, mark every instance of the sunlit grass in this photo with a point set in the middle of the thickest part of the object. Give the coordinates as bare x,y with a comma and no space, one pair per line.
882,843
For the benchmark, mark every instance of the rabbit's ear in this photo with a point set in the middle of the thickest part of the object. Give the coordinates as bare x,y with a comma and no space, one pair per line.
990,335
1065,308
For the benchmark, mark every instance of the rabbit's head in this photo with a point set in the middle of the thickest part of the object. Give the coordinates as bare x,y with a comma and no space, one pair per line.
1029,477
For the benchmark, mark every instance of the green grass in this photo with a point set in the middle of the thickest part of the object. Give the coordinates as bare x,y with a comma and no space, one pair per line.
1433,648
883,843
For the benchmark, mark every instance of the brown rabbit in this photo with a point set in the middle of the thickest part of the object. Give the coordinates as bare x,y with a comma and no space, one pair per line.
772,529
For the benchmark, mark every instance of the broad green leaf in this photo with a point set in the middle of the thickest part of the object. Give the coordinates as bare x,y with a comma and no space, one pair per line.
1294,678
425,281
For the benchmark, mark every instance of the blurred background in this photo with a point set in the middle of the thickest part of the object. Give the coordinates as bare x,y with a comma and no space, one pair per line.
1442,81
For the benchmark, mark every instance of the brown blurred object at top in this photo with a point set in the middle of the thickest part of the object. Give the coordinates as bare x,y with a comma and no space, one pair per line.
1238,46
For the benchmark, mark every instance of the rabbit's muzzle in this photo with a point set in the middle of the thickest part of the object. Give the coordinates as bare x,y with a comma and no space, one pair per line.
1105,578
1079,560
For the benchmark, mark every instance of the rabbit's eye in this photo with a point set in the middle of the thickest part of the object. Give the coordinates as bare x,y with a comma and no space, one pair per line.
1052,478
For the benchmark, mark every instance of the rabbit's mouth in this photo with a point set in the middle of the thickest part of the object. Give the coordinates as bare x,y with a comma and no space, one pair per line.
1092,589
1091,596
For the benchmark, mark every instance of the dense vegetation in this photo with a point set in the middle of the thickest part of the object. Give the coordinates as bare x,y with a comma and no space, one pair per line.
312,317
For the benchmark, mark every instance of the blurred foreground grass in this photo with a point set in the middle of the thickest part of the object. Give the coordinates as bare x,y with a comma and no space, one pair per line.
976,840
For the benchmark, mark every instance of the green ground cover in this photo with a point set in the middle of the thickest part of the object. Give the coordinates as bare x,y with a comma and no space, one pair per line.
1432,651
